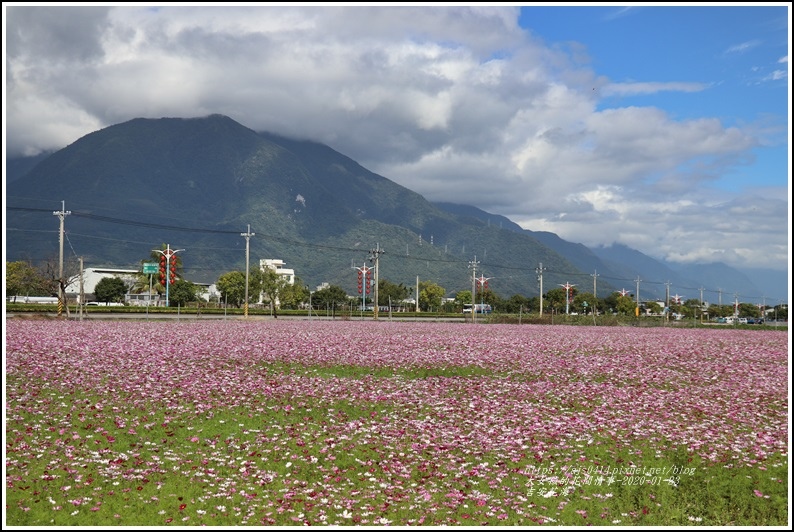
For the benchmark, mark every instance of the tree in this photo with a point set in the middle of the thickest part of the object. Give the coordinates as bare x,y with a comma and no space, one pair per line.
555,299
231,286
181,292
329,297
749,310
625,305
691,308
487,297
390,292
273,285
110,290
294,294
430,295
585,297
653,307
49,273
22,279
463,298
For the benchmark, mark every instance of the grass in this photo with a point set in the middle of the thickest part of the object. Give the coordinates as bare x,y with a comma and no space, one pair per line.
245,424
193,469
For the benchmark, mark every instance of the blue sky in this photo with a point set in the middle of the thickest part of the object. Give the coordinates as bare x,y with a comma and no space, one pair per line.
734,52
665,129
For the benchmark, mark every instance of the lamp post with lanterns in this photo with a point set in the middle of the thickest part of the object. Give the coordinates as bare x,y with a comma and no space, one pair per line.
167,269
364,282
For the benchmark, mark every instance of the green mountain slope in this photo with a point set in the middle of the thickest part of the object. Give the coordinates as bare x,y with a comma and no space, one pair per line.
198,183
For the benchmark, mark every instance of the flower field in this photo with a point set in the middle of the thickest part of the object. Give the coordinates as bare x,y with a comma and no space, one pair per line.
294,422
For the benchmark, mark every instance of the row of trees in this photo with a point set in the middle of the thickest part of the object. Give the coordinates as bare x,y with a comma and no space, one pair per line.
268,286
431,298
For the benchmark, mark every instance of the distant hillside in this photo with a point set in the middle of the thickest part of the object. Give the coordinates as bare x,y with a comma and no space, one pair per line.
197,183
19,166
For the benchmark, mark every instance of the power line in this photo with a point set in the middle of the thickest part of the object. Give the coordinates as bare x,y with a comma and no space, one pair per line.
120,221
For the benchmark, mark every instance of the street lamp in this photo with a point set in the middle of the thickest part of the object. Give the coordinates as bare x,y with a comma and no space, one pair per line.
483,282
168,253
567,287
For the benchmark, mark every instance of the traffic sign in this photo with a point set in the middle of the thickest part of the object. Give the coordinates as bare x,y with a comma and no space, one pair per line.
149,267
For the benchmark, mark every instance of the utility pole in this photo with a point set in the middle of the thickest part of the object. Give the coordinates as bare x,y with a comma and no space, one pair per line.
61,294
666,299
247,235
375,257
473,265
701,304
595,296
637,298
416,299
82,296
539,271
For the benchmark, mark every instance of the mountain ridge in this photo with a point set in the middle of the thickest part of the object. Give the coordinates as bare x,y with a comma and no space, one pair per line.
322,211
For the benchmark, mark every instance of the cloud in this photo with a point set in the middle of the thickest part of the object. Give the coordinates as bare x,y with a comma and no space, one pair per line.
457,103
776,75
742,47
632,89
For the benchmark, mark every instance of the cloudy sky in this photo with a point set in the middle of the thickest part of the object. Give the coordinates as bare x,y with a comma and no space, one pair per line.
662,128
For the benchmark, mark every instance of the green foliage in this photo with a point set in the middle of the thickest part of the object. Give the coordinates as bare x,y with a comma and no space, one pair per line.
231,286
22,279
430,295
273,285
110,290
181,293
554,299
292,295
330,297
388,291
653,307
463,297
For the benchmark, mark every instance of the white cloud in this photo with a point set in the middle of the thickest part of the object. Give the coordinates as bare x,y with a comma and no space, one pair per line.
456,103
628,89
743,47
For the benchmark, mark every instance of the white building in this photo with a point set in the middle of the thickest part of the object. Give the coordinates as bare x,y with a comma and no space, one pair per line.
278,266
92,276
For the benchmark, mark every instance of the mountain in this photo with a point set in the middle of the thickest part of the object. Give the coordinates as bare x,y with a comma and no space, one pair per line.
18,166
620,266
719,282
198,183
